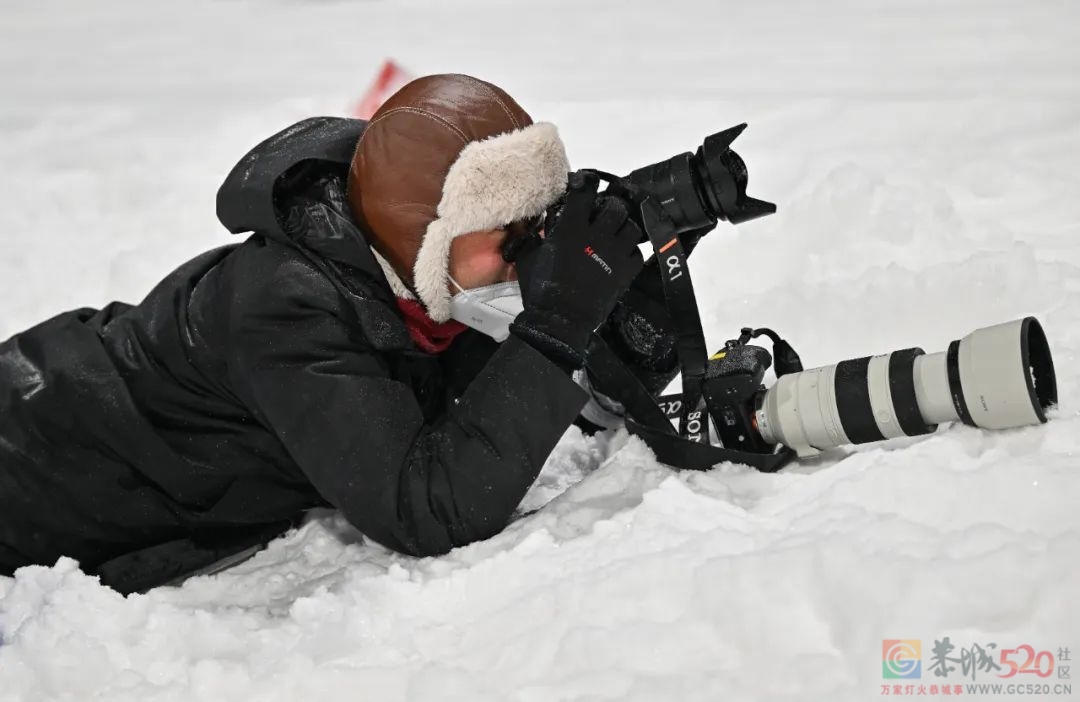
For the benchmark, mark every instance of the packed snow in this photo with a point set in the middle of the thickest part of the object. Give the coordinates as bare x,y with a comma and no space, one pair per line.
924,156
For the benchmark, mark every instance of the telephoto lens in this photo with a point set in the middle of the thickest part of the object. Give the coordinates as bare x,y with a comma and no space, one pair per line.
998,377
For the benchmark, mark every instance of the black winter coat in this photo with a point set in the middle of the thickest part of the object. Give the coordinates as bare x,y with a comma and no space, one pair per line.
261,379
255,382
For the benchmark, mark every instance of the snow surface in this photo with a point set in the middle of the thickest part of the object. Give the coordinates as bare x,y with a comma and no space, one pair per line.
925,159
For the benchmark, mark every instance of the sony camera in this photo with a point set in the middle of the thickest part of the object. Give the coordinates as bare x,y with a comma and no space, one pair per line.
997,377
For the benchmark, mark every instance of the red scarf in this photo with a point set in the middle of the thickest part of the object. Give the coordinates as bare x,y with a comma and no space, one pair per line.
426,333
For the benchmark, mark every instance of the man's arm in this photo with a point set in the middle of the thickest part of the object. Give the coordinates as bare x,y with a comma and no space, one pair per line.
360,437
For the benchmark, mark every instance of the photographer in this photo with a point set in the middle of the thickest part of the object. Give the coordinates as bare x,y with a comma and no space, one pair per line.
328,359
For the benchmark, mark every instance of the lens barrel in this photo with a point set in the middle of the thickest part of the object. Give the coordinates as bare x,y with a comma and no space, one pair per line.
997,377
677,187
697,190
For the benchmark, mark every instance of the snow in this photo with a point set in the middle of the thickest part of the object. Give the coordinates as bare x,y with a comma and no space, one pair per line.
924,157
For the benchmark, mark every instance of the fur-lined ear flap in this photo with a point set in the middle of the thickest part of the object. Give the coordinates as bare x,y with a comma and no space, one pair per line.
492,183
431,275
504,178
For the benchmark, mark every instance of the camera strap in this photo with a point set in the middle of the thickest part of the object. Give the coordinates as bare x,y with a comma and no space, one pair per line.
690,447
682,305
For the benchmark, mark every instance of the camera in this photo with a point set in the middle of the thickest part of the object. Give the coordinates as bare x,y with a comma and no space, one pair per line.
997,377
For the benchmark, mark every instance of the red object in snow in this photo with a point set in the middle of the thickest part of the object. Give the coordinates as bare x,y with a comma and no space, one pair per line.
391,78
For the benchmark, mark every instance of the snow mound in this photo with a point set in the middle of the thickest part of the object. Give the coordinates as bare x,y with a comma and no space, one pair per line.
925,164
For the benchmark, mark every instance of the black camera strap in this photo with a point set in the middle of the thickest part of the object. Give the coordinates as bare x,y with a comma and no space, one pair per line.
691,447
646,420
682,305
617,382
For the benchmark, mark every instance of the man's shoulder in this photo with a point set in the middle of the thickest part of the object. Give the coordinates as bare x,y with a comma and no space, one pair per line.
267,260
270,262
265,271
274,279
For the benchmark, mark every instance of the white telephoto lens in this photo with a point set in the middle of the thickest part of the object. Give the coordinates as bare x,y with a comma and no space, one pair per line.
997,377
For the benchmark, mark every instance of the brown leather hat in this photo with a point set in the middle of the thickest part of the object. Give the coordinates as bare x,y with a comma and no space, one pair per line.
447,155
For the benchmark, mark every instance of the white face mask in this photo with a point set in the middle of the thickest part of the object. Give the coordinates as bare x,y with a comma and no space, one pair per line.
489,309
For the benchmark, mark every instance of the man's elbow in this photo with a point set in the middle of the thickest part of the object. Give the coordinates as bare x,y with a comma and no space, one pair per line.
444,535
431,536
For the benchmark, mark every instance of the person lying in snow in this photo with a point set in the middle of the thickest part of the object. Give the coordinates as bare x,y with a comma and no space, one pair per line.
328,359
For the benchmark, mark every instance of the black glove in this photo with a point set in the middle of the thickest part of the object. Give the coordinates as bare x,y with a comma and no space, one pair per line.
571,279
640,330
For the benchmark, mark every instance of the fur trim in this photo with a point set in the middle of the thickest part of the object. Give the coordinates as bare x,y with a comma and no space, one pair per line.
396,283
492,183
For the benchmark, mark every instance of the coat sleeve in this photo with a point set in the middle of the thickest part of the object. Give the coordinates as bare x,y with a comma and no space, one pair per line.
360,437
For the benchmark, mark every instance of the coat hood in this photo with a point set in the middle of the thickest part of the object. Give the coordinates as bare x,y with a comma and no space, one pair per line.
291,188
305,164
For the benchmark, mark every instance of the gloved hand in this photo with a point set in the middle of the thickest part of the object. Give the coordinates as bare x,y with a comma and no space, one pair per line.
572,277
640,330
